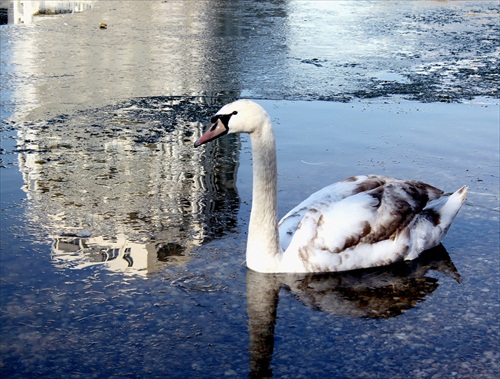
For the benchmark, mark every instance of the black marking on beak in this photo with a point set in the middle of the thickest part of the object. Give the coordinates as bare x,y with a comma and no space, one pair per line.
224,118
219,128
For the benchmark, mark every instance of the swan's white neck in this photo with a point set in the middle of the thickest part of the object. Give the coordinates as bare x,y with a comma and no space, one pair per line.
263,248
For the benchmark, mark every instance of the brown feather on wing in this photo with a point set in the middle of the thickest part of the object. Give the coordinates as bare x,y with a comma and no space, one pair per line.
400,202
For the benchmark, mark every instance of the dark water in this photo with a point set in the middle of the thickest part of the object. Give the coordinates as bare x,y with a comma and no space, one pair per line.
122,247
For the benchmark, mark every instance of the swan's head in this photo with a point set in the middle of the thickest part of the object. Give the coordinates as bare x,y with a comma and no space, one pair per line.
241,116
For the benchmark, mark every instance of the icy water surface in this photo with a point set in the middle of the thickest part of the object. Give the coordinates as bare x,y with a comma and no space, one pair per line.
293,49
122,246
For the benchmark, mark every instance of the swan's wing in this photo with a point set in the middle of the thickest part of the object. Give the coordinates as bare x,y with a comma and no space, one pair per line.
325,198
329,232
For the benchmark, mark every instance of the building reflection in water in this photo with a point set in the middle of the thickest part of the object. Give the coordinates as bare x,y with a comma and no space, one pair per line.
123,186
117,253
23,11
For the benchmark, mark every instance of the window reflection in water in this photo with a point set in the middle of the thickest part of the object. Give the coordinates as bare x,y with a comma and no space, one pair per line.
123,186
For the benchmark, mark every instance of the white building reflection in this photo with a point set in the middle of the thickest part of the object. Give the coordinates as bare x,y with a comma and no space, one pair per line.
109,194
121,185
117,253
149,48
23,11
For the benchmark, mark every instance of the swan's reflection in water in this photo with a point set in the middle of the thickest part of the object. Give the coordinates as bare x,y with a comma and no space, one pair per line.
375,293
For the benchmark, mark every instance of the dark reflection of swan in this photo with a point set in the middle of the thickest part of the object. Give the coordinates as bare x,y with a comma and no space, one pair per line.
374,293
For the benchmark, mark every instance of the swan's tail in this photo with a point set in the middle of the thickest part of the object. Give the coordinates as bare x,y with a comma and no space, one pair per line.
447,207
431,225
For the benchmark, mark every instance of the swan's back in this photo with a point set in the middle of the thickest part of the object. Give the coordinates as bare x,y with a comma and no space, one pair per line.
365,221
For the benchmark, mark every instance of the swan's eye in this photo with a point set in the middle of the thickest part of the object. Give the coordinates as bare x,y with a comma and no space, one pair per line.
224,118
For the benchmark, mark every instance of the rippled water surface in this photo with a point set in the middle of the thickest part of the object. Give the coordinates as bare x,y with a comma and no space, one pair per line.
125,258
123,246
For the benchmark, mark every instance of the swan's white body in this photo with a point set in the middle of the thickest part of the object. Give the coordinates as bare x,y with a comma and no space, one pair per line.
361,222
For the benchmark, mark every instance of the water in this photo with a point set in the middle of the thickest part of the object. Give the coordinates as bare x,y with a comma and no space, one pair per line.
123,246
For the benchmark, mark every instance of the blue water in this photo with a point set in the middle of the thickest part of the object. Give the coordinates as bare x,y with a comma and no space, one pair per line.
123,247
67,312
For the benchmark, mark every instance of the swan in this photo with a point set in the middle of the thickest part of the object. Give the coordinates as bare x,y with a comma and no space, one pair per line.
361,222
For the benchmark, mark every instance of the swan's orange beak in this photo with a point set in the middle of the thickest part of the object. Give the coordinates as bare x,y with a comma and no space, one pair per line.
216,130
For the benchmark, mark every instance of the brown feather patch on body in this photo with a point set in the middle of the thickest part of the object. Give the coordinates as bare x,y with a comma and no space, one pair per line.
402,200
369,184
